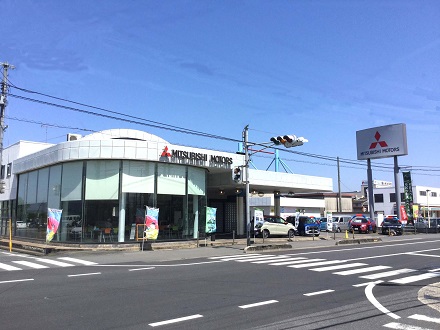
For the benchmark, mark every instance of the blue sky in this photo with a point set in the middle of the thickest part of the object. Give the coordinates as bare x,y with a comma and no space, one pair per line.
318,69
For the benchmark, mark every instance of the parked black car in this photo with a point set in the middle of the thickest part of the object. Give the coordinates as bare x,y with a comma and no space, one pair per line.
391,226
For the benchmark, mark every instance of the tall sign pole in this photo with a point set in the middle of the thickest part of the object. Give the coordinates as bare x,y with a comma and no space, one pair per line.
3,103
382,142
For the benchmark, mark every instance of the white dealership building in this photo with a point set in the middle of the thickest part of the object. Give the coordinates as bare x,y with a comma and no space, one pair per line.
107,179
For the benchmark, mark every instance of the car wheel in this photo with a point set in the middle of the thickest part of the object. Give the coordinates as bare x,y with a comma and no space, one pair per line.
338,230
291,233
375,230
265,233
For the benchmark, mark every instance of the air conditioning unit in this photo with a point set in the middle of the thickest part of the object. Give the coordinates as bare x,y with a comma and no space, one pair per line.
73,137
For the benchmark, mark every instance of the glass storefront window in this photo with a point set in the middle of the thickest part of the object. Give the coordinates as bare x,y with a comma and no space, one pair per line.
171,179
178,191
102,180
71,184
138,177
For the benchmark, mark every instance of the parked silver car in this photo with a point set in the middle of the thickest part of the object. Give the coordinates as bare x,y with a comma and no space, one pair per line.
340,223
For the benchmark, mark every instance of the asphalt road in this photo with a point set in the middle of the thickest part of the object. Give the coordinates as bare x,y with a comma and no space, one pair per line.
366,286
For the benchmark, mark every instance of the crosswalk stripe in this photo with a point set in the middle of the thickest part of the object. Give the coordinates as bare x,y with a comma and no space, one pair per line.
8,267
415,278
271,260
79,261
400,326
264,259
30,264
235,256
361,270
260,258
294,262
388,274
319,263
344,266
54,262
252,257
425,318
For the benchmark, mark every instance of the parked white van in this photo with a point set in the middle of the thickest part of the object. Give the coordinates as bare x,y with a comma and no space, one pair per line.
340,223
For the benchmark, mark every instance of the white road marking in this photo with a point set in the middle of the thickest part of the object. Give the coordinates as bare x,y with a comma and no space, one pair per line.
235,256
415,278
79,261
323,269
387,274
180,319
278,260
400,326
88,274
250,257
260,258
132,270
425,318
8,267
294,262
30,264
54,262
366,283
317,292
375,303
13,281
361,270
267,302
319,263
425,255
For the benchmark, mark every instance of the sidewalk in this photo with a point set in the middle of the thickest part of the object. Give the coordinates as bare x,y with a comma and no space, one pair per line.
257,244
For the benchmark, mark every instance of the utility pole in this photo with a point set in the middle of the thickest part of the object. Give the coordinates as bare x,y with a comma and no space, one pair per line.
3,103
339,208
246,168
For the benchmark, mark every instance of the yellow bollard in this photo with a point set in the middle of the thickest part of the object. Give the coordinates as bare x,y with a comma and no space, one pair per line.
346,234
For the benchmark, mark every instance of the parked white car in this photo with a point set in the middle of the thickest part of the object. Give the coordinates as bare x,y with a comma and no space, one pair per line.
20,224
275,226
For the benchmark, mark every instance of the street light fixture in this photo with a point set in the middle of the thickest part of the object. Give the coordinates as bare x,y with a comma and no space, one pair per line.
288,141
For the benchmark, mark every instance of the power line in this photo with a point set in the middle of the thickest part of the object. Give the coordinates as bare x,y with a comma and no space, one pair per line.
155,124
180,129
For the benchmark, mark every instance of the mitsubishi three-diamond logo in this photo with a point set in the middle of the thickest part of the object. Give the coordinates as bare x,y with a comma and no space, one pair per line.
383,144
165,152
165,156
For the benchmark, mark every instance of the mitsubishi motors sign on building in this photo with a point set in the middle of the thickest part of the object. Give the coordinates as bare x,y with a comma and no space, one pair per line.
381,142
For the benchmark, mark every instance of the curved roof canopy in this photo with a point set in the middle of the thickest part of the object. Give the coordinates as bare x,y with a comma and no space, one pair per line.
123,134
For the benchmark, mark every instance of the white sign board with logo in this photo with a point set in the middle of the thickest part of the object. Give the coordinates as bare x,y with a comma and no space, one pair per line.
382,142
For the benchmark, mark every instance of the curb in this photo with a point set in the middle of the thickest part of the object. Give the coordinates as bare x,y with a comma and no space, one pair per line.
359,241
253,248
